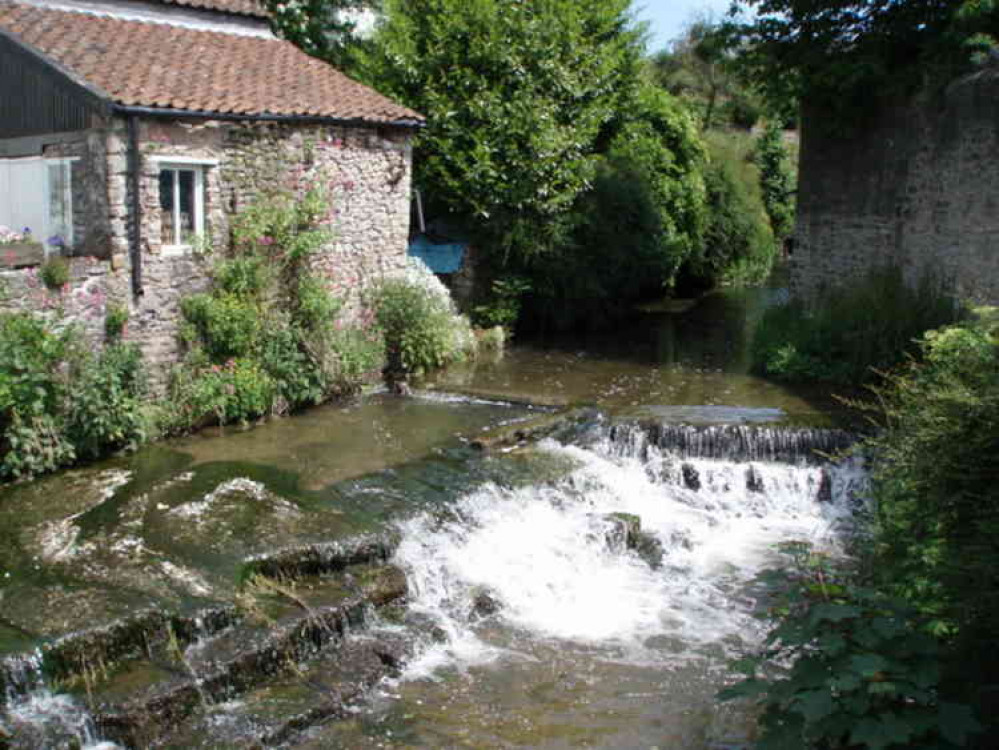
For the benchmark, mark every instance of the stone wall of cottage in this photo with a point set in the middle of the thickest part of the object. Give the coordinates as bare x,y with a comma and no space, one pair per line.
366,172
917,186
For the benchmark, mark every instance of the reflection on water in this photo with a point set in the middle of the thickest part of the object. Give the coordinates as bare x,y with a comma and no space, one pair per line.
698,357
333,443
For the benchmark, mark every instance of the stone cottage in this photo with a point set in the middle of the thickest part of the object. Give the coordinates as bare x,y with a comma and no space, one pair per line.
131,132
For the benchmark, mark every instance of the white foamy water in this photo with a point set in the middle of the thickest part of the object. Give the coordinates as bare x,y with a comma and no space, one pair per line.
39,718
542,553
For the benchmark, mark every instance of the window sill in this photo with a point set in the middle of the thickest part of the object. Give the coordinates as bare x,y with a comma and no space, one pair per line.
176,250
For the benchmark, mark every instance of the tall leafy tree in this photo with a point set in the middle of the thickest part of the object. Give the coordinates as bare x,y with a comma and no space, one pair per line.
519,95
700,67
323,28
843,50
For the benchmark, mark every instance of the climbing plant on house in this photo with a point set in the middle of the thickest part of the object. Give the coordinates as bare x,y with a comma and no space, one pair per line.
270,337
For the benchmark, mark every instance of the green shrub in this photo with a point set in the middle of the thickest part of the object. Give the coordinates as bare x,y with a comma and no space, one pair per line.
661,150
315,308
739,247
115,320
850,332
226,324
34,444
360,354
845,666
418,322
777,179
935,488
627,237
59,401
237,391
31,363
104,406
299,378
54,272
246,277
502,307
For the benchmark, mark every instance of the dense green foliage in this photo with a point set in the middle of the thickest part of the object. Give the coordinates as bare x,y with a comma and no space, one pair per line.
702,69
851,331
323,28
517,96
846,667
883,655
54,272
777,180
421,328
630,235
539,117
61,401
502,305
936,493
738,244
840,51
268,338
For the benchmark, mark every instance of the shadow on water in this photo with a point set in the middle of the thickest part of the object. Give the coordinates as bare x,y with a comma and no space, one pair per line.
696,357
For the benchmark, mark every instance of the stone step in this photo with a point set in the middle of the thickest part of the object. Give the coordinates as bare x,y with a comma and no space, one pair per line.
319,690
285,627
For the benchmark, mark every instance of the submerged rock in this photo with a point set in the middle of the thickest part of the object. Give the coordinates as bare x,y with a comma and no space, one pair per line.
484,603
691,478
754,480
626,534
650,549
825,493
624,528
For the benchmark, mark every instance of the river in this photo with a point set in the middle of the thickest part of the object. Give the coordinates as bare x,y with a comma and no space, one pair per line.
368,576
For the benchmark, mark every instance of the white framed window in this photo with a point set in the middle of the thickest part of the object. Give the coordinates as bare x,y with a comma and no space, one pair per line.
182,205
36,193
59,189
182,200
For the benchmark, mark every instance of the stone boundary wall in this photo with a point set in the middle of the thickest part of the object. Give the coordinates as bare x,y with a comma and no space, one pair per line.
917,185
366,172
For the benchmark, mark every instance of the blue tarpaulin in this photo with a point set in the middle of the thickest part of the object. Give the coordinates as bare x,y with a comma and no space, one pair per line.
440,257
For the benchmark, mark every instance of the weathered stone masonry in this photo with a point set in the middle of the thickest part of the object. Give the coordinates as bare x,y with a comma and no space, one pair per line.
365,170
917,186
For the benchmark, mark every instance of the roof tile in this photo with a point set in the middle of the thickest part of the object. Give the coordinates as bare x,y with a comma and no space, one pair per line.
239,7
157,65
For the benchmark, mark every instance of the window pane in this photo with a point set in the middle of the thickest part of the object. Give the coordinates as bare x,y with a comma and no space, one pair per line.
187,224
60,226
167,236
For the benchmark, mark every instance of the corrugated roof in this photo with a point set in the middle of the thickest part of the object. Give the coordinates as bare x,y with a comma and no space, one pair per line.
156,65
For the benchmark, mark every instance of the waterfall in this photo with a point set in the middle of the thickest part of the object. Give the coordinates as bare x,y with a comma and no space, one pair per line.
40,718
712,503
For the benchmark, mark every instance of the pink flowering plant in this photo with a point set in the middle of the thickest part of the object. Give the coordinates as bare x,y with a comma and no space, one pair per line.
60,399
271,335
10,236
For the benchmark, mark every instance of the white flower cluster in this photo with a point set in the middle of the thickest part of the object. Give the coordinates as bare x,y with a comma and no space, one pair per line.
418,273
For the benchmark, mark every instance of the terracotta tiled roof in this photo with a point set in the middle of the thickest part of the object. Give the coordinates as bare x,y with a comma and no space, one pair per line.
240,7
155,65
